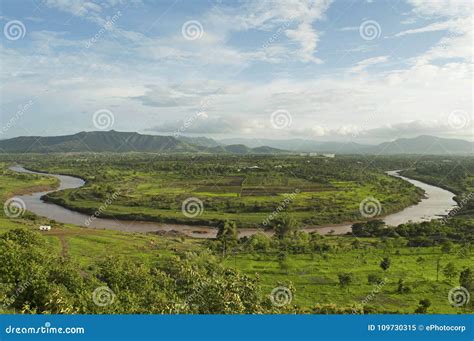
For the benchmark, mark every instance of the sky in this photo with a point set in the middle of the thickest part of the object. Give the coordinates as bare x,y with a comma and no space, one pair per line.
329,70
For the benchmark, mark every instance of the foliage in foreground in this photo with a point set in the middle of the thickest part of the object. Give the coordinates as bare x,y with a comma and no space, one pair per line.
35,280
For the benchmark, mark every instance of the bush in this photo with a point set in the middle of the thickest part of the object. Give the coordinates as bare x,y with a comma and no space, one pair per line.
345,279
37,280
374,278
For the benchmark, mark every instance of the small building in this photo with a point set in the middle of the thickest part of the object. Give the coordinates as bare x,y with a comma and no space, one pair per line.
45,228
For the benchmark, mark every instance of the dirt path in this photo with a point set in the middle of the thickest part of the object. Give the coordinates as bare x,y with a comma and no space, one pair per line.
65,246
64,234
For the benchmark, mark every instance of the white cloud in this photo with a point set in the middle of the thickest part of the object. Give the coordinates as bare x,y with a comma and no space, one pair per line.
308,39
437,26
295,17
416,128
436,8
349,28
366,63
169,78
204,125
454,16
78,8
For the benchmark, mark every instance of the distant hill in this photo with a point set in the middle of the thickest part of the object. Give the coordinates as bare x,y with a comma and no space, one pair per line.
243,149
425,145
114,141
95,141
300,145
120,142
199,141
418,145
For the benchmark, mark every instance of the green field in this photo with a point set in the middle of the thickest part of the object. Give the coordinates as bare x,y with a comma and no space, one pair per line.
152,273
315,277
245,190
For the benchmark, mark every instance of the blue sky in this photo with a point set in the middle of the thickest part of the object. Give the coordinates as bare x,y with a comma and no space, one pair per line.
363,70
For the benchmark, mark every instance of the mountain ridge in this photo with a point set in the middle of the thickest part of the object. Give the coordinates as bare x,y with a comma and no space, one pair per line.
423,144
119,142
122,142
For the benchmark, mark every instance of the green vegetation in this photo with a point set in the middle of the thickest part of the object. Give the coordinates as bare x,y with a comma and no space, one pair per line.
410,268
38,281
243,189
344,270
13,183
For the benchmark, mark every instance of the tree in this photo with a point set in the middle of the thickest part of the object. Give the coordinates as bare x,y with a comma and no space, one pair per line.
423,306
282,261
385,263
370,228
345,279
37,280
449,271
466,279
447,247
227,234
283,225
258,242
402,287
355,244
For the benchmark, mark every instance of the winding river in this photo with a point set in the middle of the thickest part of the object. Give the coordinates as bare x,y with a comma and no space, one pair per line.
438,202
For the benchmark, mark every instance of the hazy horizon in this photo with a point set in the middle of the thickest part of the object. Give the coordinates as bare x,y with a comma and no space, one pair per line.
220,139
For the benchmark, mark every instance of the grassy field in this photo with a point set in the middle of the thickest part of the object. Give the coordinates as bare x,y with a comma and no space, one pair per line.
246,190
312,276
13,183
315,277
82,244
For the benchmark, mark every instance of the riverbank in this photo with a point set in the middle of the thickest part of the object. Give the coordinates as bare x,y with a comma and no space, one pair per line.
438,202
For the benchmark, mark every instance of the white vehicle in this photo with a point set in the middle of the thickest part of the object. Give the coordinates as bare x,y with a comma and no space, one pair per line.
45,228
